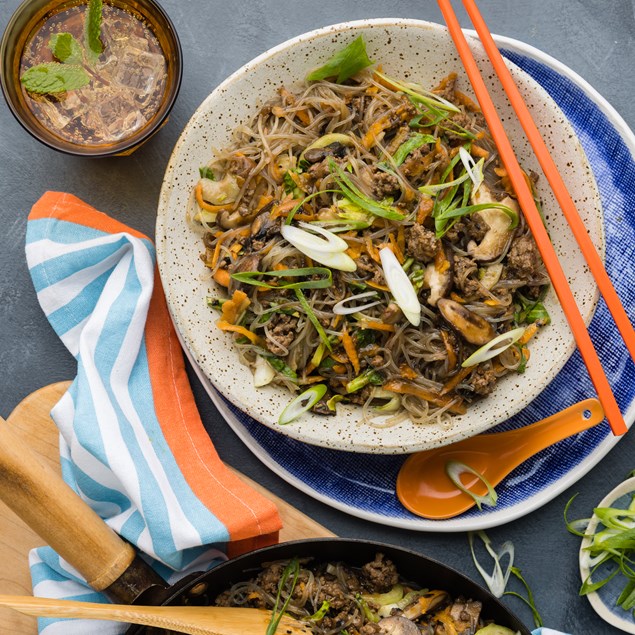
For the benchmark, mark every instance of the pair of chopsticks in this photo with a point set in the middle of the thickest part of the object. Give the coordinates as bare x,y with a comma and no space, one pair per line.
530,211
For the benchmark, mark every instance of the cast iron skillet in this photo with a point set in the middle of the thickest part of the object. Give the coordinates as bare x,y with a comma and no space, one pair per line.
412,566
51,508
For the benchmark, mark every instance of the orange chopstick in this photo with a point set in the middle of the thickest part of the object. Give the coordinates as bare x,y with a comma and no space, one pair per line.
532,216
560,191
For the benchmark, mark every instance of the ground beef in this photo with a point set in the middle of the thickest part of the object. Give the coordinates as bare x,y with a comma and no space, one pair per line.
282,329
465,272
523,258
447,87
385,184
367,268
421,243
380,574
360,397
241,166
371,628
482,380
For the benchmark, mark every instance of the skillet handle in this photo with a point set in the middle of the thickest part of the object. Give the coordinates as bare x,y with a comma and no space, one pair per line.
40,497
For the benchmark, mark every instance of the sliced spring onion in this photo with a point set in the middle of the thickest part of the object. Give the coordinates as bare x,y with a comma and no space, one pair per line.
313,318
392,405
250,277
300,404
344,64
370,376
416,141
494,347
439,187
400,286
263,372
321,612
306,199
300,238
341,307
333,401
529,600
292,569
454,469
456,212
473,169
279,365
420,94
497,581
353,194
336,260
327,140
337,225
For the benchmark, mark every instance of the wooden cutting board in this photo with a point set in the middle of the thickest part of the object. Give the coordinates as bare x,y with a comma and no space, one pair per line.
31,420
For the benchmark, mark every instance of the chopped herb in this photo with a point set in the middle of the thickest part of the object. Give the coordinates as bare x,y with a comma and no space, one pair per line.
53,77
279,365
344,64
207,173
92,31
364,337
215,303
66,48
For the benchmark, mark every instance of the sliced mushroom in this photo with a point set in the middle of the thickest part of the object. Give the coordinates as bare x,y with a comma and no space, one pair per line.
220,192
473,328
438,282
398,625
465,614
425,603
392,313
499,226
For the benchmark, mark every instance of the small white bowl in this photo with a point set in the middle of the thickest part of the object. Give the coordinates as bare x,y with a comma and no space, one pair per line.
603,600
425,53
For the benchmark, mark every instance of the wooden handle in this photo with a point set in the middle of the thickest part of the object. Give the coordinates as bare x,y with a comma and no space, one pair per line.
52,509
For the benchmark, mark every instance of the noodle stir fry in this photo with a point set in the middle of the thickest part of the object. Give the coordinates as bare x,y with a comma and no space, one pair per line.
370,246
372,600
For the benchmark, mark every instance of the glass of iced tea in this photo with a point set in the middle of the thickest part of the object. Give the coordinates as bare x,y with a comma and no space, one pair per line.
91,77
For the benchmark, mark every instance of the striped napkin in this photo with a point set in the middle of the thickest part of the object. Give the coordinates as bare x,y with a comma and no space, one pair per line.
132,443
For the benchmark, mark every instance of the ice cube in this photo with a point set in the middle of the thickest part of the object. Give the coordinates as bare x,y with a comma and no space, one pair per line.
114,114
53,113
139,71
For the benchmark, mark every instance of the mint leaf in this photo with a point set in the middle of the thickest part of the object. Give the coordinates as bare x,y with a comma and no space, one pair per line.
66,48
344,64
92,29
54,77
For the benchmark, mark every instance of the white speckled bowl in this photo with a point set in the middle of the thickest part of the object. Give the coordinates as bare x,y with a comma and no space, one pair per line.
406,48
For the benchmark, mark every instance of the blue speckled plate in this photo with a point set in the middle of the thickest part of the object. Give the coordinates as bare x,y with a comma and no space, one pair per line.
364,484
604,599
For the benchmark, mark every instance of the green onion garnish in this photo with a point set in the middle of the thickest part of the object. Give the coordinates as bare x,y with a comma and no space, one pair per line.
313,318
251,277
292,569
454,469
297,407
344,64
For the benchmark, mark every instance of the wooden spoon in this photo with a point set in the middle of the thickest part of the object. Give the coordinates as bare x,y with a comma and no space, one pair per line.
196,620
424,487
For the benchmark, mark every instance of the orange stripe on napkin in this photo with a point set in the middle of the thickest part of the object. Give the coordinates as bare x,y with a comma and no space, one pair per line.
251,519
66,207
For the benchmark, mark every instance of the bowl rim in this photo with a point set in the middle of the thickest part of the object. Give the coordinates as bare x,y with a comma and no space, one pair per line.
168,187
75,149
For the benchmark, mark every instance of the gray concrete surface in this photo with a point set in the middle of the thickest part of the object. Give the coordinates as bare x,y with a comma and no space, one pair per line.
593,37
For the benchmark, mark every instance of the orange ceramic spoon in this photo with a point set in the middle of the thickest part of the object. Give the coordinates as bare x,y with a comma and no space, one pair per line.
424,487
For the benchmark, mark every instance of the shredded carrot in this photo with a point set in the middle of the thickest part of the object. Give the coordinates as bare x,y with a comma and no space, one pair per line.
466,101
452,383
395,249
377,326
441,263
407,372
426,204
217,247
530,331
386,83
372,90
284,206
264,199
235,248
198,194
449,349
354,249
303,116
339,368
276,172
222,277
492,302
441,86
241,330
479,152
457,298
407,388
375,285
233,308
351,351
372,250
